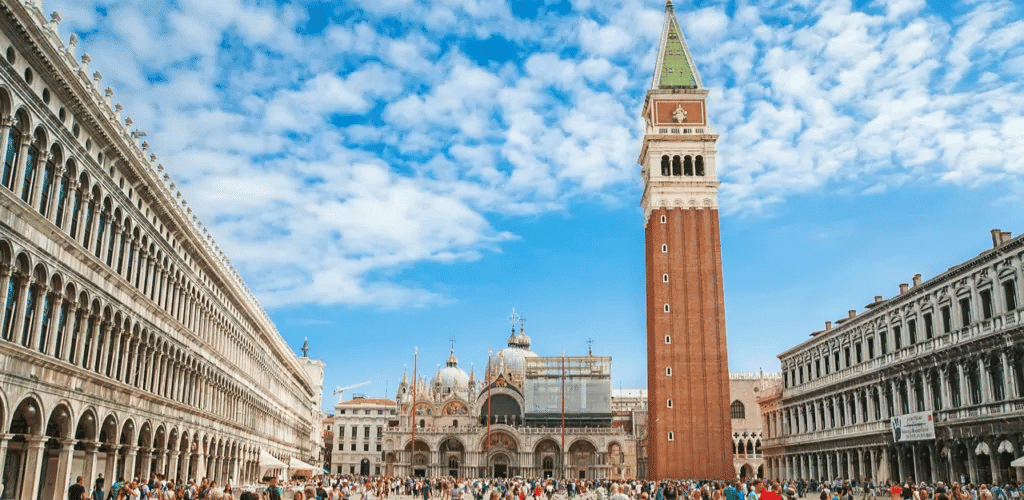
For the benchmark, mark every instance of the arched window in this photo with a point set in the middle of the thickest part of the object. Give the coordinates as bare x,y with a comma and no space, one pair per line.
677,166
671,436
738,410
668,338
669,403
10,160
666,308
30,169
668,371
12,298
423,423
665,169
699,165
688,165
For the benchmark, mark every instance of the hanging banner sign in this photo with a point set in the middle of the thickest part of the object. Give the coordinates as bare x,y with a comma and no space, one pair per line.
913,427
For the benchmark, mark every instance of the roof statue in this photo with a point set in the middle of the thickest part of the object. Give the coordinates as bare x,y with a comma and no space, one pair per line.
675,68
305,348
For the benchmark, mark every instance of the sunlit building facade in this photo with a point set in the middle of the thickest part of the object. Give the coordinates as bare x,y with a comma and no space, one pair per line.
950,349
129,344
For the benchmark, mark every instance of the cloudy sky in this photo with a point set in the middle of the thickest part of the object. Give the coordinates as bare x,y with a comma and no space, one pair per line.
394,173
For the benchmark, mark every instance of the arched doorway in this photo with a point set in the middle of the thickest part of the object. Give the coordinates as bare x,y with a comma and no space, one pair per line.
451,454
546,457
419,458
500,448
498,463
389,464
22,467
1005,457
583,459
364,467
746,472
983,462
55,463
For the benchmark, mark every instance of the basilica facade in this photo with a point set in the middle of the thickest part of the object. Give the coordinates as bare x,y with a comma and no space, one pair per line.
517,420
129,345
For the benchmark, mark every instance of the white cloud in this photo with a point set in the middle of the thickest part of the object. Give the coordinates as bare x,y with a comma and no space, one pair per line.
328,162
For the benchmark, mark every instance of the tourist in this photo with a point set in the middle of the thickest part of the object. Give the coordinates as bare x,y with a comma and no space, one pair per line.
77,490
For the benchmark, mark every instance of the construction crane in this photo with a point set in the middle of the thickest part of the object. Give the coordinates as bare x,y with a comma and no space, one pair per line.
341,390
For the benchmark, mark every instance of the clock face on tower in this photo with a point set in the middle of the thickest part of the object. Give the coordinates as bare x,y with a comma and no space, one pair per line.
678,112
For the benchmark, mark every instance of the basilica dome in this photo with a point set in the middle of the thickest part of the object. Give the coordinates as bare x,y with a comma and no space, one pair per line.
451,377
514,356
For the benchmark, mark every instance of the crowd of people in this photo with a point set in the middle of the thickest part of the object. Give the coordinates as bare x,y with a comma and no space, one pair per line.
337,487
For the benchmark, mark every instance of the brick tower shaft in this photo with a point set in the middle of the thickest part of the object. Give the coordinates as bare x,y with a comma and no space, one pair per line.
689,426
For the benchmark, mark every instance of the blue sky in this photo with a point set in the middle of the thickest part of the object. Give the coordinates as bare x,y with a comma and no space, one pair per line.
392,173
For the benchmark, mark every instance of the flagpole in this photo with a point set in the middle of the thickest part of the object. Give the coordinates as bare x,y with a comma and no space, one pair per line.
412,416
563,411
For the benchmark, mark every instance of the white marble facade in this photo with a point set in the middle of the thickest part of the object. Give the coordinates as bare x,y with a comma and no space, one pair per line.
952,346
128,343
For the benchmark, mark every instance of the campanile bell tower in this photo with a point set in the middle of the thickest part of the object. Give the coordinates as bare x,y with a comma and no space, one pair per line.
689,425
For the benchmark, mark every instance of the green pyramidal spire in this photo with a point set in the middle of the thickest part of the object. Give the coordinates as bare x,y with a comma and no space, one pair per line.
675,64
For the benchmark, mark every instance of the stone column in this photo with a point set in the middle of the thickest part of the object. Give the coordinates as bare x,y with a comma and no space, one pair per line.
111,467
1009,386
34,333
965,396
174,472
34,456
994,465
6,122
18,321
986,386
944,389
129,462
89,465
56,302
5,439
934,463
900,468
65,457
918,474
926,379
19,165
37,190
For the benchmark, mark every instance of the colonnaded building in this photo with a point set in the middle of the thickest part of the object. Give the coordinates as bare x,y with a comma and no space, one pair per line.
528,416
129,344
946,355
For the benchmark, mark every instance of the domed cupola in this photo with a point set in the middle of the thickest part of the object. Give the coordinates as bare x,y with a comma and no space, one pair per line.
451,378
513,357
